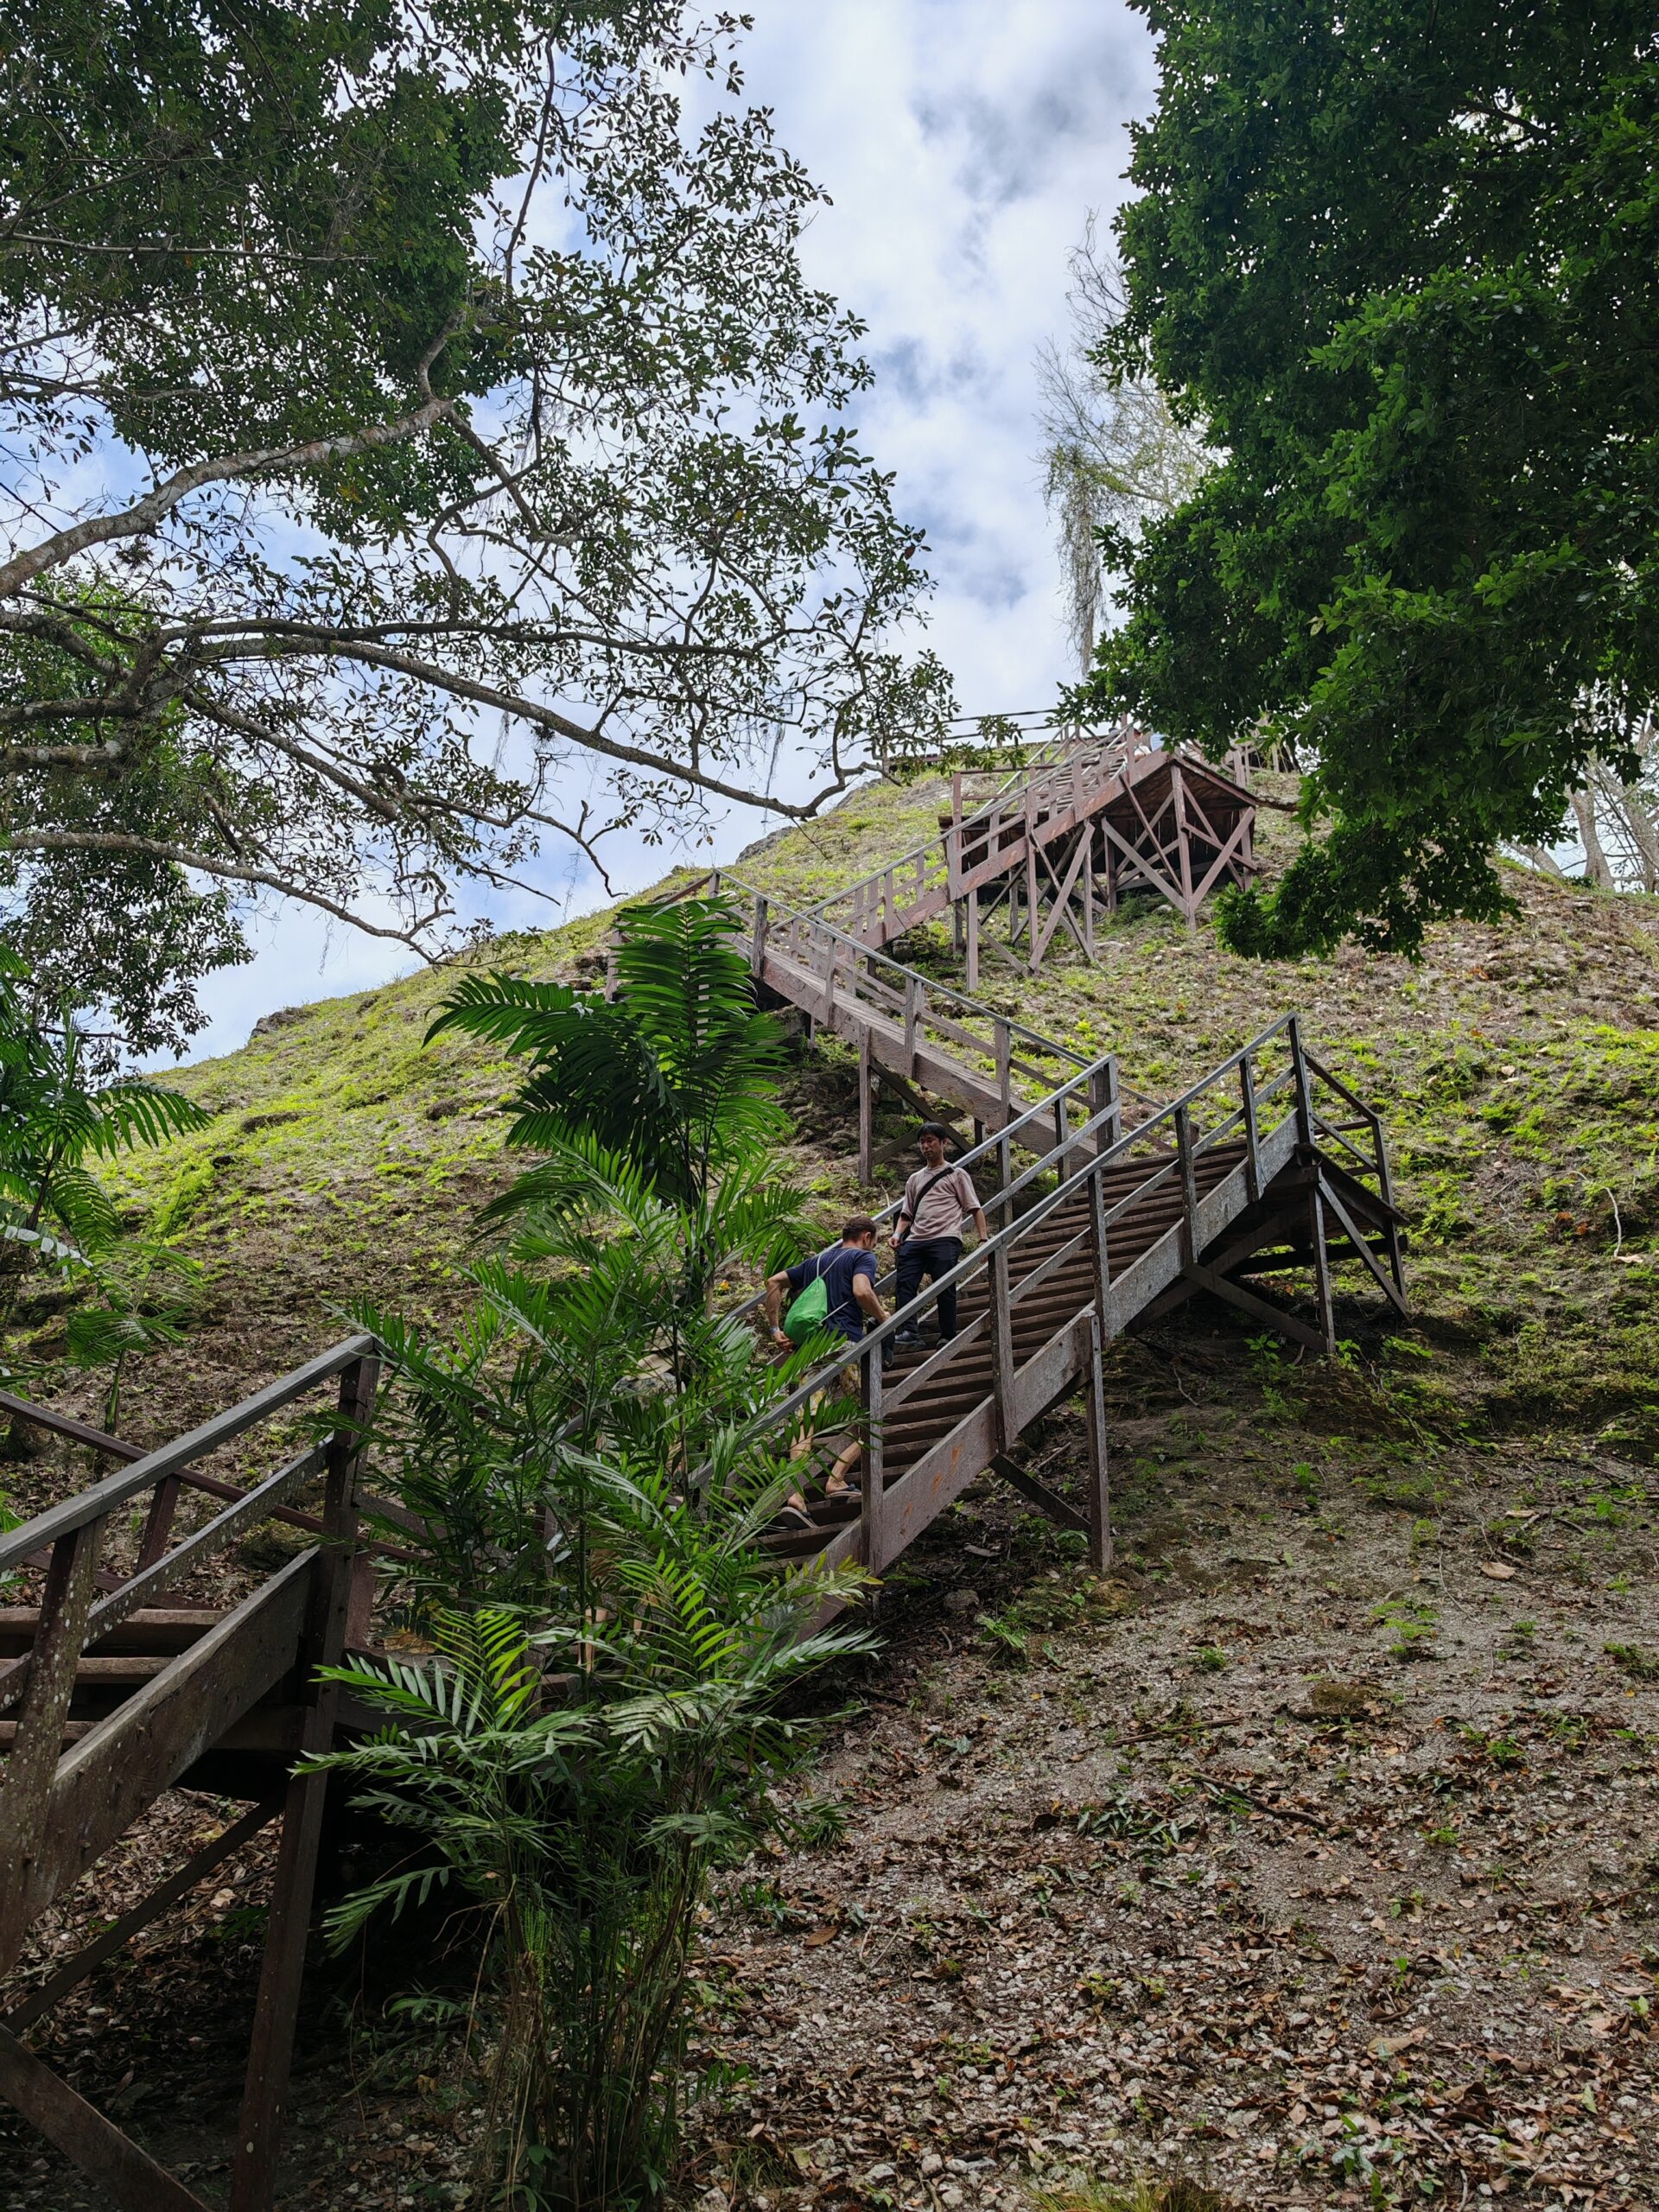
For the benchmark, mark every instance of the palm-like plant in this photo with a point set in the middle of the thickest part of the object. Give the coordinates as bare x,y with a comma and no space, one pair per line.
551,1447
581,1342
145,1289
676,1074
56,1119
580,1808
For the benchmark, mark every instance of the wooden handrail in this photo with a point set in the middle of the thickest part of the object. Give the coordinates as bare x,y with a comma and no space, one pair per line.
103,1498
993,1251
78,1432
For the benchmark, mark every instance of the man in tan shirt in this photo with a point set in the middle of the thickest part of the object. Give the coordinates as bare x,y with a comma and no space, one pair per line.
927,1236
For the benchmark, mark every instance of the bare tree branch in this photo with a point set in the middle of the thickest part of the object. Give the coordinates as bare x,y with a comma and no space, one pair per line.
290,887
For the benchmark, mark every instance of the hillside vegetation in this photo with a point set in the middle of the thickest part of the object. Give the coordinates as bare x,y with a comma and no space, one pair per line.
1518,1067
1310,1854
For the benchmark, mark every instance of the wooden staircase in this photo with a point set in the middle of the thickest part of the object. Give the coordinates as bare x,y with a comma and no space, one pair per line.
113,1693
1242,1176
1096,814
1106,1211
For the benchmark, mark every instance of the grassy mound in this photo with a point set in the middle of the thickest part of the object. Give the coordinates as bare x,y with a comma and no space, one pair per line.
1518,1065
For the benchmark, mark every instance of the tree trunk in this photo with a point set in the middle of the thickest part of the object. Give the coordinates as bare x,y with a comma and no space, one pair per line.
1595,859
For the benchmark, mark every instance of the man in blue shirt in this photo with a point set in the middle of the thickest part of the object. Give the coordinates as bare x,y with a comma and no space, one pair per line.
849,1273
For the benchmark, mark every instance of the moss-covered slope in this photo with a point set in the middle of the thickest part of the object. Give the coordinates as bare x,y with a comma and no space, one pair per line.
1518,1065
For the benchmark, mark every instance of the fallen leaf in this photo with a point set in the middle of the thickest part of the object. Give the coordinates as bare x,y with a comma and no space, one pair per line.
1497,1570
1391,2046
820,1935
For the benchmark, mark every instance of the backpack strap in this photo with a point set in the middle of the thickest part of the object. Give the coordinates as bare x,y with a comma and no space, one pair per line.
937,1176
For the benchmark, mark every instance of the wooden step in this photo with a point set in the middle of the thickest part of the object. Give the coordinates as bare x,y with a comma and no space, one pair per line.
164,1629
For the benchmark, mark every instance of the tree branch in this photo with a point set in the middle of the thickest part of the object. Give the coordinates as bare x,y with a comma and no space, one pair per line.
95,840
145,513
439,679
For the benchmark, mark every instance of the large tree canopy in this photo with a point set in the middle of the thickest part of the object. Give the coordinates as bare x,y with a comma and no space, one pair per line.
1400,257
408,415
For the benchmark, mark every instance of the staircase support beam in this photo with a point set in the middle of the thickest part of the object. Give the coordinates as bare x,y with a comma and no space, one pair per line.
1039,1494
270,2053
96,2146
1329,1199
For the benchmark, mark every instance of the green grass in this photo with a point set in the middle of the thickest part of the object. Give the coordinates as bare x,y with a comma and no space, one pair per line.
1518,1065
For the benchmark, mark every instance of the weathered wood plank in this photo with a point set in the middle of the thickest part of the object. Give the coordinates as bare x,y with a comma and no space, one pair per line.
41,2001
86,2139
112,1773
118,1490
270,2051
27,1798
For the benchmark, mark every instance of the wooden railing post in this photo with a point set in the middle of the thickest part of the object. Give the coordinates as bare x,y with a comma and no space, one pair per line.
1004,1072
1188,1185
1097,1240
866,1107
1252,1133
1098,1507
762,923
253,2173
26,1795
911,997
1303,1088
872,1466
1001,1318
158,1522
1105,1098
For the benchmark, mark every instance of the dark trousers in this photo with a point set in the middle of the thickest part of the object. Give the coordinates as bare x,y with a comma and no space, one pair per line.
931,1257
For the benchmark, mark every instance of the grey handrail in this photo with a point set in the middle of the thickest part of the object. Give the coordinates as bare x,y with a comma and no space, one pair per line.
127,1483
1005,1238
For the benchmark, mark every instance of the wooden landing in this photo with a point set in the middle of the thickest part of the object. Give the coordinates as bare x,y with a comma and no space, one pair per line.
1110,814
113,1699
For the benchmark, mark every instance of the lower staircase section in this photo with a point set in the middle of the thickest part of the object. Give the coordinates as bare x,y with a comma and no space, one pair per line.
113,1692
114,1688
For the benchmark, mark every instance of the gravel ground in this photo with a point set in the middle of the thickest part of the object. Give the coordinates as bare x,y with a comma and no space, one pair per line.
1314,1854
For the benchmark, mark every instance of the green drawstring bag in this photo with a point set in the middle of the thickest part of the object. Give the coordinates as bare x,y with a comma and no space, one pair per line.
811,1310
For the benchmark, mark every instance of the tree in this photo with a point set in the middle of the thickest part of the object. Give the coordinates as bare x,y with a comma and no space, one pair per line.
660,1103
1114,456
57,1120
585,1454
1400,260
409,414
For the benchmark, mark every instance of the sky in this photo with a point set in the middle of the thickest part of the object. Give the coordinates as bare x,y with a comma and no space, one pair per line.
963,143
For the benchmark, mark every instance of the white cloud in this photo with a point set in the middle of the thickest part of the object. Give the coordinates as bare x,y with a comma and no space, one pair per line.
962,143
